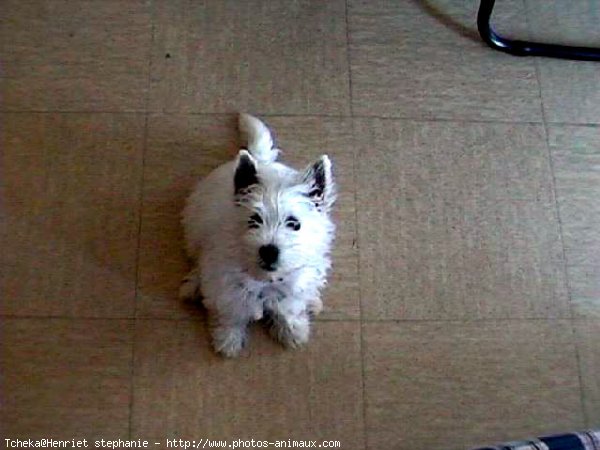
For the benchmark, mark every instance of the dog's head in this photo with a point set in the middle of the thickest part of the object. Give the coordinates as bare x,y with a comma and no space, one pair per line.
284,215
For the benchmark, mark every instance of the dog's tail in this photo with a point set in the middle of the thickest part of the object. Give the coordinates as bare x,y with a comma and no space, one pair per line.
258,139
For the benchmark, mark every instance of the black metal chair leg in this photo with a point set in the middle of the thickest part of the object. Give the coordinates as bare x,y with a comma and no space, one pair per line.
526,48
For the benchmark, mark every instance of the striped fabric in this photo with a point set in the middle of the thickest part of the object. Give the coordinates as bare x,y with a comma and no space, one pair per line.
586,440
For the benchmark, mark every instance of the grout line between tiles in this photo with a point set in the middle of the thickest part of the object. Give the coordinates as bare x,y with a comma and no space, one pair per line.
561,237
360,290
137,269
313,115
535,62
579,374
483,320
565,267
150,57
55,317
140,212
348,59
551,168
303,115
558,216
365,116
448,120
131,379
574,124
71,111
139,231
349,319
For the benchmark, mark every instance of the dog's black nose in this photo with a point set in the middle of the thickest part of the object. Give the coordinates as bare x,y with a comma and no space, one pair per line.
268,255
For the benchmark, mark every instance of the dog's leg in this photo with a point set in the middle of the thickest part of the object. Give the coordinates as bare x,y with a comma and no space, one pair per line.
190,285
292,329
314,306
229,339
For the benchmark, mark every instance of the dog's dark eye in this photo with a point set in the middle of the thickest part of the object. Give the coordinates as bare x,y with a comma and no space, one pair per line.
292,223
254,221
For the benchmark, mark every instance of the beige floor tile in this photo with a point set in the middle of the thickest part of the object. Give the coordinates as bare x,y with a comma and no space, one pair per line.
570,90
182,149
454,385
182,389
258,55
92,56
66,379
588,338
576,159
425,59
457,221
72,188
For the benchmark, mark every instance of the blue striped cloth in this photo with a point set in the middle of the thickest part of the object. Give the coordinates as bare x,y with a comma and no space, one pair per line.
586,440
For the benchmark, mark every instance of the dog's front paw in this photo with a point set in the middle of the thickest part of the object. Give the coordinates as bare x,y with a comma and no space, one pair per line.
190,287
229,341
291,331
314,307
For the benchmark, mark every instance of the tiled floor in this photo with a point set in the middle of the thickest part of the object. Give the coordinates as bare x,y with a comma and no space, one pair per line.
464,307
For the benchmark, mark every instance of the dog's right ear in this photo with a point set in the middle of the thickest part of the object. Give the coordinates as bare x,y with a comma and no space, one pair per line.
245,172
318,178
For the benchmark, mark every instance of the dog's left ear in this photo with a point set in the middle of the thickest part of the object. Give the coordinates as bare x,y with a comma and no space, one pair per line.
318,177
245,172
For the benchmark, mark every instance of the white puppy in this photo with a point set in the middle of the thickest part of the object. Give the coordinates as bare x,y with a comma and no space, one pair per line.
260,235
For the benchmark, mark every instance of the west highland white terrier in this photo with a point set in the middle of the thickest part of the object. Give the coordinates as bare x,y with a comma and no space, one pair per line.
260,235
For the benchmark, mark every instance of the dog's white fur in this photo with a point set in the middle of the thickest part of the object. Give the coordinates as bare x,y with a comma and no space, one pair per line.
251,202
